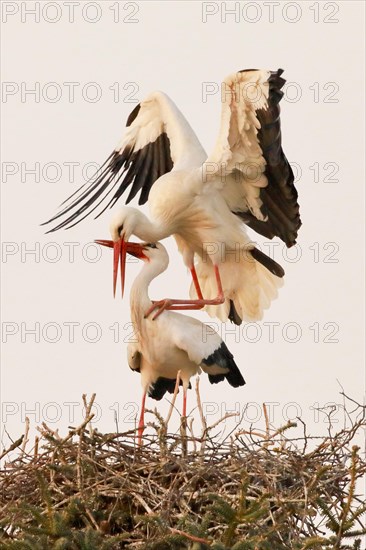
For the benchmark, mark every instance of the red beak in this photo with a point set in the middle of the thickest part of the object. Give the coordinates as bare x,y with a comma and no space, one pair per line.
120,249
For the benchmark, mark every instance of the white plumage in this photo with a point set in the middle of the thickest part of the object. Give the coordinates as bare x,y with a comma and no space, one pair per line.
206,201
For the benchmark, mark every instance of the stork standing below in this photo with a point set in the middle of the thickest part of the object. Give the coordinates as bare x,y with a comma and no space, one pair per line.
172,343
205,202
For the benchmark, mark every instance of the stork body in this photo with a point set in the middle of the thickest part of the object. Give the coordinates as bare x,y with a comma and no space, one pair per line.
205,229
173,342
206,201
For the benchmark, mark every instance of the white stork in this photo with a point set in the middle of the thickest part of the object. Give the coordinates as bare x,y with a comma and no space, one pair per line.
205,202
172,343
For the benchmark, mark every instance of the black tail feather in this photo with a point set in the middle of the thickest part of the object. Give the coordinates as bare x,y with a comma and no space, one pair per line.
268,263
158,389
234,315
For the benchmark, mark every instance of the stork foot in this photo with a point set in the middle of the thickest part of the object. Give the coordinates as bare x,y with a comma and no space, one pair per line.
160,306
171,304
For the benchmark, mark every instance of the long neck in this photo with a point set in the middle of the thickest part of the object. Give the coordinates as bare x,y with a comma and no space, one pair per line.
139,295
149,231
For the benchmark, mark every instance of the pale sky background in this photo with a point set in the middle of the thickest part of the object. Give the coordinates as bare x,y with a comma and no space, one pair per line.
169,47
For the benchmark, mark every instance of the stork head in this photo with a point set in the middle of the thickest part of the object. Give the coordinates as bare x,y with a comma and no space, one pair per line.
154,253
122,226
150,252
124,223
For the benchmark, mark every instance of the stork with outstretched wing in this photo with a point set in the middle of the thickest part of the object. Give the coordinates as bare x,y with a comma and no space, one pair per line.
205,202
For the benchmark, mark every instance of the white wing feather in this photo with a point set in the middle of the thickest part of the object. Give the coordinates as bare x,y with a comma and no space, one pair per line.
158,114
237,163
197,339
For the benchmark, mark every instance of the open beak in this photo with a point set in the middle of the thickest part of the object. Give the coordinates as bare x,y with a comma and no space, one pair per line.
120,250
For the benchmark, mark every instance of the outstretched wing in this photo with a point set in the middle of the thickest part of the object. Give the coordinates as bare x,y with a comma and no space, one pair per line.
257,179
150,148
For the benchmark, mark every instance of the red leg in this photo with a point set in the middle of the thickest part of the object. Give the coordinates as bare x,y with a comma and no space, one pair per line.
140,430
184,307
196,283
220,295
172,304
184,401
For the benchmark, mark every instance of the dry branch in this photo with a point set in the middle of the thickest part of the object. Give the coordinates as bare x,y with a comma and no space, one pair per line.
259,490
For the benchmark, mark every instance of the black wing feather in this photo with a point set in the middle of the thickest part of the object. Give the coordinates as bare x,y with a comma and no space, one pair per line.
280,196
137,171
156,169
154,172
224,359
142,177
